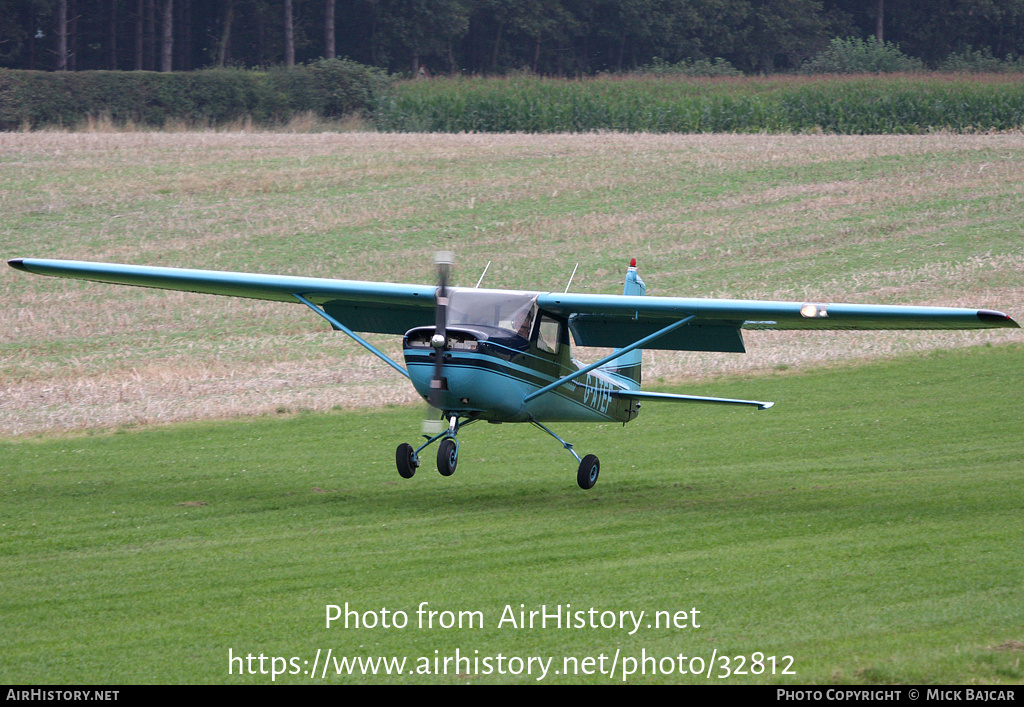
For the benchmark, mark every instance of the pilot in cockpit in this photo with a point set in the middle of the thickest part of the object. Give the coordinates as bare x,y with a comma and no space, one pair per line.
524,326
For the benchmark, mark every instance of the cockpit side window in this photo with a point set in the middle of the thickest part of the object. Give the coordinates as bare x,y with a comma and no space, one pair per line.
548,334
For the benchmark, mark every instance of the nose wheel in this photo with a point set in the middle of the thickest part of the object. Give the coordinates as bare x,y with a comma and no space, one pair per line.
447,456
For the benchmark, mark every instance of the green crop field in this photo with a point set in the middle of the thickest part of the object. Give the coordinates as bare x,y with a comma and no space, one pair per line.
189,481
852,105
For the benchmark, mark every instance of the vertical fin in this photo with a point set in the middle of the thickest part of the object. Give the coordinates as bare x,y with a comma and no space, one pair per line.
628,365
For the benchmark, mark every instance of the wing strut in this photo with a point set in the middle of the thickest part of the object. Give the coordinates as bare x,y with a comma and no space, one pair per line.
354,336
614,355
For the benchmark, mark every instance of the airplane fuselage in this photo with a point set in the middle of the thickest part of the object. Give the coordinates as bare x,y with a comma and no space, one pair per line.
487,373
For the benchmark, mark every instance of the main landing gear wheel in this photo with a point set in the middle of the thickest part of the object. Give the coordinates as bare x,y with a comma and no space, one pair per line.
405,460
590,467
447,457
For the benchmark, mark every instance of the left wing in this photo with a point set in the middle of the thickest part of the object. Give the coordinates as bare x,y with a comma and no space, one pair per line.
618,320
377,307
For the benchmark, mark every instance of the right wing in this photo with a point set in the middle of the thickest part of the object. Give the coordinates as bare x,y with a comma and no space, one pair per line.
378,307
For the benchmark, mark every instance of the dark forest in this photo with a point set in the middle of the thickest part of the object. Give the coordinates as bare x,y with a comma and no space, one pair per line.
549,37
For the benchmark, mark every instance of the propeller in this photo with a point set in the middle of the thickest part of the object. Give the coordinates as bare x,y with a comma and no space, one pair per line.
439,341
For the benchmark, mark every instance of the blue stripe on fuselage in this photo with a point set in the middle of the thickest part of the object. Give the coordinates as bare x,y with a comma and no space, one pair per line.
494,388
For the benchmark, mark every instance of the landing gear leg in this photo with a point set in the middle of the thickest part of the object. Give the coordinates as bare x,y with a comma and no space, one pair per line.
590,466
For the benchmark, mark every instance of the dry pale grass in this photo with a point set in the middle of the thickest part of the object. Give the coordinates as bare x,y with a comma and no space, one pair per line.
925,219
1010,645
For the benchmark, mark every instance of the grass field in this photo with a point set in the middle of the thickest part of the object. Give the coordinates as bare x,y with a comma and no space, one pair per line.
867,526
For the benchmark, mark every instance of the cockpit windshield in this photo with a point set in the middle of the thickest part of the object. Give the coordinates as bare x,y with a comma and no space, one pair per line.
512,311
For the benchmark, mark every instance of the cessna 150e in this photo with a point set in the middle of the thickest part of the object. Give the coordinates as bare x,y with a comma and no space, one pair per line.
504,356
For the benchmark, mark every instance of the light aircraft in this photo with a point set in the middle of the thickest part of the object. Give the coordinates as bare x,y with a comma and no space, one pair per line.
504,356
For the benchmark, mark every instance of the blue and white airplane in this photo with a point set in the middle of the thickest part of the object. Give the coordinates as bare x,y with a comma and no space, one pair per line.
504,356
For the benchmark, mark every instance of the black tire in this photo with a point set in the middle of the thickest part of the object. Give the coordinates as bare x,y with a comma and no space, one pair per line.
405,460
590,467
447,457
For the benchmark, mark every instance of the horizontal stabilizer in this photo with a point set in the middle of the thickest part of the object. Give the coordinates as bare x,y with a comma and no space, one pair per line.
668,397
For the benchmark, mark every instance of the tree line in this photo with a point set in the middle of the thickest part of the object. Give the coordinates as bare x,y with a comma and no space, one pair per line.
551,37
